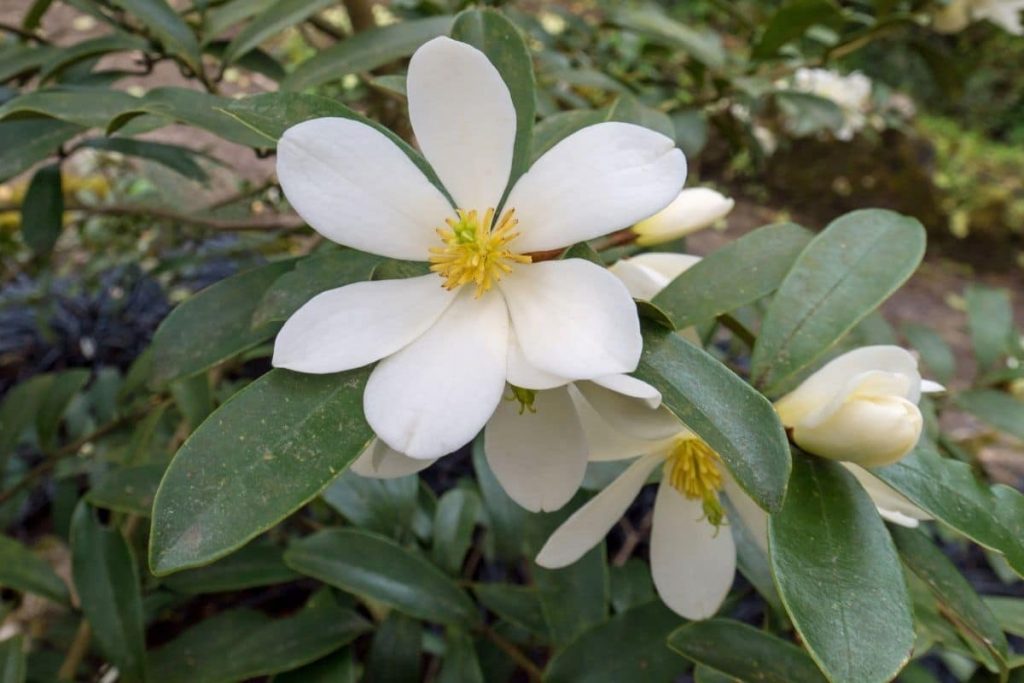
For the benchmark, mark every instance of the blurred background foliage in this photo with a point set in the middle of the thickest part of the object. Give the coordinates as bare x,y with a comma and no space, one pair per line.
128,186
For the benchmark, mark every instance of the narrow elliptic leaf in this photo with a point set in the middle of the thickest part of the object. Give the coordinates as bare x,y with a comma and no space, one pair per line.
839,575
630,584
67,56
276,445
744,653
12,660
167,26
506,521
377,568
18,411
26,141
241,644
22,570
128,489
340,667
42,211
214,324
23,59
366,51
460,663
557,127
257,564
628,647
960,602
84,106
574,599
947,489
990,320
275,19
109,590
999,409
217,19
383,506
396,650
518,605
739,273
62,390
181,160
708,397
936,355
842,275
791,21
454,520
703,47
1009,612
490,32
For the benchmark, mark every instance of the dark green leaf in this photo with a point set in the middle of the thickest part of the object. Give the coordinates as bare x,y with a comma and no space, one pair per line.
127,489
62,390
27,141
707,396
557,127
23,59
518,605
395,653
739,273
454,520
34,15
19,410
257,564
505,520
990,320
744,653
230,13
1009,612
938,358
12,660
42,211
691,127
705,48
379,569
276,445
22,570
460,664
1001,410
631,585
628,109
108,587
384,506
178,159
845,272
574,599
366,51
628,647
339,667
274,19
839,575
791,21
88,107
160,19
68,56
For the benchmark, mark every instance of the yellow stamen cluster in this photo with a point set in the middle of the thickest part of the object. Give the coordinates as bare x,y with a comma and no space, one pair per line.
473,252
692,469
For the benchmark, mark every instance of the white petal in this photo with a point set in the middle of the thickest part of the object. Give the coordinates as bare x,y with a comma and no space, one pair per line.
694,209
587,526
598,180
464,121
630,386
522,374
632,416
573,319
692,563
356,187
666,264
891,504
539,457
930,387
646,275
380,461
352,326
434,395
607,443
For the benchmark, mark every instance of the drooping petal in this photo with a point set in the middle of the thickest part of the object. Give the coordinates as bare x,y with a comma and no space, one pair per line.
607,443
462,114
356,187
434,395
630,386
380,461
891,504
587,526
598,180
522,374
539,457
632,416
692,563
573,319
352,326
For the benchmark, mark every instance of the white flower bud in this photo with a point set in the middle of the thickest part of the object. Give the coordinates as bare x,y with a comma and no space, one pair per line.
694,209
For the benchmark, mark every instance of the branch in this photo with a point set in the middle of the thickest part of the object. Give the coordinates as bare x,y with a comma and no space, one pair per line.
22,33
360,12
533,671
274,222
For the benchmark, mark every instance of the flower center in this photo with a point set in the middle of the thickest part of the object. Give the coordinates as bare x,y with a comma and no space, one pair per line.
692,469
473,252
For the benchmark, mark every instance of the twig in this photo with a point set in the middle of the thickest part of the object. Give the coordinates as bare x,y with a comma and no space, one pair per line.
18,31
633,538
533,672
738,329
360,13
276,222
616,239
79,646
325,27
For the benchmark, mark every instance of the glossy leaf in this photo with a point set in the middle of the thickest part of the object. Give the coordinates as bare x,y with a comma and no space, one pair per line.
168,27
379,569
257,564
744,653
13,667
518,605
839,575
842,275
384,506
276,444
274,19
454,520
628,647
127,489
109,590
42,211
22,570
990,321
739,273
214,324
999,409
706,396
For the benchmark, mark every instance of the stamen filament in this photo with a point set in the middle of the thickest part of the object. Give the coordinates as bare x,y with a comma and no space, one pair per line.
474,252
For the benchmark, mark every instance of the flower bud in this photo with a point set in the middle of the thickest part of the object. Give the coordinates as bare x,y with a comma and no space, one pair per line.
952,18
694,209
861,407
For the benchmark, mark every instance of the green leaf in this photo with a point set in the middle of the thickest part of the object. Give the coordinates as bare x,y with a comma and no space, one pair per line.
127,489
24,571
843,274
454,520
574,599
160,19
706,396
806,113
181,160
42,212
791,21
230,13
66,57
23,59
631,584
1009,612
498,38
557,127
241,644
962,605
628,647
1001,410
744,653
13,668
276,445
377,568
384,506
27,141
256,565
506,521
395,652
948,490
273,20
691,127
990,320
340,667
311,276
705,48
460,663
64,387
19,410
738,274
629,109
839,575
107,581
34,15
518,605
214,324
88,107
366,51
937,356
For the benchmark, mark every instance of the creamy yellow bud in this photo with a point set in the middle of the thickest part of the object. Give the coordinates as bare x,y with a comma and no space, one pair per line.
694,209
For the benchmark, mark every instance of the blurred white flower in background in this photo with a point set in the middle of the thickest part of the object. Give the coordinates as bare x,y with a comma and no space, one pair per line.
850,92
957,15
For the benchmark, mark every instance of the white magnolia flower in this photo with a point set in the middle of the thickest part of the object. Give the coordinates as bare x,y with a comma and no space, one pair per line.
861,407
850,92
447,351
694,209
958,14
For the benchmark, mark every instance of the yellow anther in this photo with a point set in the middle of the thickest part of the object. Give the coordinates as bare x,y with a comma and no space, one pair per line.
693,469
474,252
